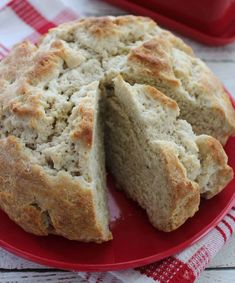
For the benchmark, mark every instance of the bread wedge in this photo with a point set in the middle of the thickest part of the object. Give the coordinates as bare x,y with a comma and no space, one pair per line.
156,158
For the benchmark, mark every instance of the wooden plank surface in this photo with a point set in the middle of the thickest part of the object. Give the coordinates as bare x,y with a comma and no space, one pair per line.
217,276
52,276
222,268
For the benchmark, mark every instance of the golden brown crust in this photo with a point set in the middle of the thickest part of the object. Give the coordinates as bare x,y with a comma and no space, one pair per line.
84,130
104,27
26,63
46,66
159,96
43,204
185,194
176,42
25,67
70,57
17,61
212,154
29,107
154,60
99,27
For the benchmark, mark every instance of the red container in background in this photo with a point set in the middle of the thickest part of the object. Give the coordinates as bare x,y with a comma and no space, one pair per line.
209,21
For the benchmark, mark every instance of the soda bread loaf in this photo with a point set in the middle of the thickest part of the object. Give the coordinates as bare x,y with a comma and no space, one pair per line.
52,176
156,158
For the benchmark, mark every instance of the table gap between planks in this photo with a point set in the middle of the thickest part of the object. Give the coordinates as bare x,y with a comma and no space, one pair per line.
222,269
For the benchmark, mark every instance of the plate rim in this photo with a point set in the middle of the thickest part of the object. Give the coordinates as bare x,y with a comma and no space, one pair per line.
123,265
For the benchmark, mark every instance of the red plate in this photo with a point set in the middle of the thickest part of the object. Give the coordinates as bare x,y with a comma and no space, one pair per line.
135,241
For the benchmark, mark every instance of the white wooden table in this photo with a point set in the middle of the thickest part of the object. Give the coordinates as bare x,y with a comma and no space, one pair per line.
222,268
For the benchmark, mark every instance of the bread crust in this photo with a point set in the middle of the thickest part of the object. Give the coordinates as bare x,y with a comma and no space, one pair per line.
154,60
185,194
158,96
43,204
211,153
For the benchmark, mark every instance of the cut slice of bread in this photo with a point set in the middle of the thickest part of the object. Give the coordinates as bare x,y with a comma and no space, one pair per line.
52,169
156,158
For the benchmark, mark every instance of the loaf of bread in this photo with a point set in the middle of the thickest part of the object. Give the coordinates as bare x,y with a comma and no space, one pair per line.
52,168
156,158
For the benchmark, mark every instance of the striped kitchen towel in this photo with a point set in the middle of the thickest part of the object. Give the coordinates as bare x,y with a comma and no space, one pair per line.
30,19
184,267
